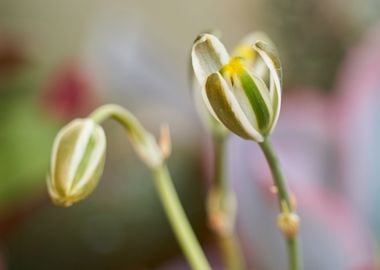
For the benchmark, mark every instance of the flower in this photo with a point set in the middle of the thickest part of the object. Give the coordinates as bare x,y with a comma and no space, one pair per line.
243,92
77,161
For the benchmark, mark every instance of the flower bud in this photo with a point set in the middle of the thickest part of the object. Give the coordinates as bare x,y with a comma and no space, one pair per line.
77,161
288,223
236,92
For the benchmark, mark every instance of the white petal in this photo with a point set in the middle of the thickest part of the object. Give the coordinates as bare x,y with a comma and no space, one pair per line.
97,157
86,131
275,80
256,63
208,117
208,56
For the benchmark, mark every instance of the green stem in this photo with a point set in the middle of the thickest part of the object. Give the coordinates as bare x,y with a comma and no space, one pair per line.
220,179
167,194
178,219
122,116
227,240
229,245
283,196
294,259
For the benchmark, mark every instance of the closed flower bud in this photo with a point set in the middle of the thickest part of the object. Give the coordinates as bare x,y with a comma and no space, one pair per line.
77,161
237,90
288,223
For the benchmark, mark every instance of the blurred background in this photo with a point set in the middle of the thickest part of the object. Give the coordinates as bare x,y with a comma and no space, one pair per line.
61,59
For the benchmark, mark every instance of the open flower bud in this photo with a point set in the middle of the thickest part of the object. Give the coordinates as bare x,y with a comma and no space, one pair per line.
236,92
77,161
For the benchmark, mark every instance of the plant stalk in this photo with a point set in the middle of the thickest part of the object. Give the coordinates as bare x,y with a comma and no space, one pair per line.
283,197
178,219
226,237
166,191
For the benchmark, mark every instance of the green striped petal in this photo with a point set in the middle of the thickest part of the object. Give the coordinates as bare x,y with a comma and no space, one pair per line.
225,106
271,58
258,96
208,118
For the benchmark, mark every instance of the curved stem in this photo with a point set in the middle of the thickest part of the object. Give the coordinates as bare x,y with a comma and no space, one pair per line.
178,219
283,196
166,191
226,237
122,116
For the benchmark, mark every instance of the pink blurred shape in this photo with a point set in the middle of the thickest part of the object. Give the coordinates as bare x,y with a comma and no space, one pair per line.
357,126
70,92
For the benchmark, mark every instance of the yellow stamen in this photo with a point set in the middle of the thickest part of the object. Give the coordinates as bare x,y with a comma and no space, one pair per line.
246,52
235,65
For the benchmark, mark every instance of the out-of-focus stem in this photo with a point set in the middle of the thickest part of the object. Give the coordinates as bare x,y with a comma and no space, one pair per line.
283,197
166,191
221,209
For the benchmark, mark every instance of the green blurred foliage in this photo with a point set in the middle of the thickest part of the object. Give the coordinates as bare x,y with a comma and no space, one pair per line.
25,139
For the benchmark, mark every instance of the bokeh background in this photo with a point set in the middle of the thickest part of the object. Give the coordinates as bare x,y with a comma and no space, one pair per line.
61,59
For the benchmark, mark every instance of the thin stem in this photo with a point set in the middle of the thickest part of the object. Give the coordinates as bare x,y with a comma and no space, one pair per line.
220,179
226,237
232,256
167,194
294,259
278,178
178,219
283,197
122,116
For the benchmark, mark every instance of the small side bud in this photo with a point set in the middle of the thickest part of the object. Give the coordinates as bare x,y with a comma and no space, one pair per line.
165,141
77,161
273,189
288,223
221,214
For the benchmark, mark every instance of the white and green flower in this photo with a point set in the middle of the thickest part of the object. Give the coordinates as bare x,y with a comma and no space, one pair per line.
77,161
243,92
